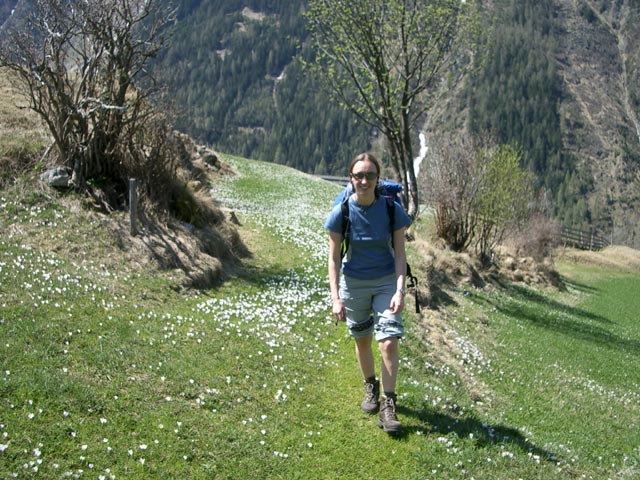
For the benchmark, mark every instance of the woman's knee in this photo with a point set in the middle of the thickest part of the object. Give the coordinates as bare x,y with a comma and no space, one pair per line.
388,346
364,343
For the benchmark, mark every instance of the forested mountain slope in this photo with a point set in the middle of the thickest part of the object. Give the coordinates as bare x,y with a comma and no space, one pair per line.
563,80
599,63
231,71
560,77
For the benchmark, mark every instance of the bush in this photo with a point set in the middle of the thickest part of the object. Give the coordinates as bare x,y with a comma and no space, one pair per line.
451,188
505,198
479,193
538,237
81,67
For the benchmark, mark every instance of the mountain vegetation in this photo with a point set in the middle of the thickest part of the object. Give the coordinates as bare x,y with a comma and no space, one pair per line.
560,80
230,73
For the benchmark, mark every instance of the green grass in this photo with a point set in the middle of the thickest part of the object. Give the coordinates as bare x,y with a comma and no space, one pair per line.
108,372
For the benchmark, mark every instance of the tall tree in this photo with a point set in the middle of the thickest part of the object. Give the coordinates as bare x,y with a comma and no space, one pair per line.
385,60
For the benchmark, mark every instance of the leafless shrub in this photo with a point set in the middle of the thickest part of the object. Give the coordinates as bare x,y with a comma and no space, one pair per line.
538,238
81,65
451,187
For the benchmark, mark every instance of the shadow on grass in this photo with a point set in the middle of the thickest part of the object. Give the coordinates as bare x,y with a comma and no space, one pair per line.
519,292
525,304
483,435
580,287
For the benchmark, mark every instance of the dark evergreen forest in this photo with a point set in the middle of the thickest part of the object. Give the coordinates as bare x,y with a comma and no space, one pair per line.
516,96
234,80
233,77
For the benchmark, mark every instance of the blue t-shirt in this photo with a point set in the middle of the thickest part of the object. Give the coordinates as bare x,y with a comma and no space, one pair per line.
370,253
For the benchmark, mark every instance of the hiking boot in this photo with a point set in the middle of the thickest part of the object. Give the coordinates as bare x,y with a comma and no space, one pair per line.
387,419
371,403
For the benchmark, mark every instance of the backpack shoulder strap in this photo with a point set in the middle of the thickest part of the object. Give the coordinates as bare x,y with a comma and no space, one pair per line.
391,211
344,207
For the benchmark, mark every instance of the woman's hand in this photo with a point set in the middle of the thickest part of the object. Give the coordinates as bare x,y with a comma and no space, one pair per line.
397,302
338,310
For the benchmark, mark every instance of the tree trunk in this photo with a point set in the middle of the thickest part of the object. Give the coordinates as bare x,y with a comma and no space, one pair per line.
413,205
400,152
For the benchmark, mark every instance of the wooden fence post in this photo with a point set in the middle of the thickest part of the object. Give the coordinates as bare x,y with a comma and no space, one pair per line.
133,205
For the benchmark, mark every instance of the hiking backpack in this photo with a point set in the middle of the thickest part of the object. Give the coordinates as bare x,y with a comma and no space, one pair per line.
389,190
385,188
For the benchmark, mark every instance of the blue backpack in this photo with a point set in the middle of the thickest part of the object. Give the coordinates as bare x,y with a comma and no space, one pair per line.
385,188
389,190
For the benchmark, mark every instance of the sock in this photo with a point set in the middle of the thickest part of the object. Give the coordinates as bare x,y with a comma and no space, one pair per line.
390,395
370,379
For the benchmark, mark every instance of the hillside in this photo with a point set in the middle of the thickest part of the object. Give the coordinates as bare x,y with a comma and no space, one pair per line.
149,356
560,79
109,370
236,85
580,133
113,365
599,62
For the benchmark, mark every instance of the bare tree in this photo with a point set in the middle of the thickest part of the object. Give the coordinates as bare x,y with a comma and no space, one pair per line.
479,192
385,60
82,65
454,182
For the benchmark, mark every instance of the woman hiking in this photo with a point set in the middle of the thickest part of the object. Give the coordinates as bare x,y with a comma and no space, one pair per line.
367,283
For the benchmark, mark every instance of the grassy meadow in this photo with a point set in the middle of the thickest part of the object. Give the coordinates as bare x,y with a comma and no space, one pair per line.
109,371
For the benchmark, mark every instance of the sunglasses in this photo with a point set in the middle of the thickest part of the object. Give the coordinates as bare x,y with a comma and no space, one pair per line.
367,175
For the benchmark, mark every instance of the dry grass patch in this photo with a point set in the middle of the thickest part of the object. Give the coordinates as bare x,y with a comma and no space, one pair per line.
15,117
617,257
22,135
443,270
